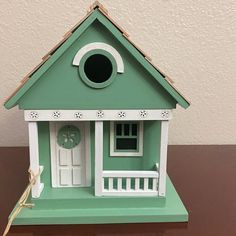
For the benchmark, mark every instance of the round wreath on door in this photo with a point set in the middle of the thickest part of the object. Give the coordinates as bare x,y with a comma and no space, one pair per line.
68,136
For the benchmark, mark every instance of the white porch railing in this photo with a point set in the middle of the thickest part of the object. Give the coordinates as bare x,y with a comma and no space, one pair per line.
130,183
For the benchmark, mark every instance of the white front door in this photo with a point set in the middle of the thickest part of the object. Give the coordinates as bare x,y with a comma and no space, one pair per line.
69,158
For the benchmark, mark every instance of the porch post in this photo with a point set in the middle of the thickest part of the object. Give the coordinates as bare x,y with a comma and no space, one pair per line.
98,157
34,158
163,158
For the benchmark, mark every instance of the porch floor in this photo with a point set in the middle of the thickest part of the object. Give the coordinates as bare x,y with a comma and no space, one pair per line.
67,193
80,206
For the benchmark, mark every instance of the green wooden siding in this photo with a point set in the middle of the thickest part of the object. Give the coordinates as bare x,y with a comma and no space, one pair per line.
61,87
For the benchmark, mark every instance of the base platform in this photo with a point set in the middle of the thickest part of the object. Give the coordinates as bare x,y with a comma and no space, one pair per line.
54,208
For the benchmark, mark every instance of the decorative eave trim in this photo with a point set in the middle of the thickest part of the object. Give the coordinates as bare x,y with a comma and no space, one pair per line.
92,115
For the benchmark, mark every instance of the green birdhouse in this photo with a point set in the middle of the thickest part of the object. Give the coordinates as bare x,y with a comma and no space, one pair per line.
98,113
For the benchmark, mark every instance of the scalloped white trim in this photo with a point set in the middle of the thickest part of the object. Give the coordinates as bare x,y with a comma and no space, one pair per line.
88,115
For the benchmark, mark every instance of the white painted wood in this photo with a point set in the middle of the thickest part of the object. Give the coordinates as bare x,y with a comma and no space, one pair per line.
74,163
110,184
127,175
128,184
126,154
163,158
88,153
53,140
99,184
76,176
75,160
145,187
130,193
154,184
64,177
137,184
63,158
103,185
119,184
98,45
130,174
34,158
75,153
92,115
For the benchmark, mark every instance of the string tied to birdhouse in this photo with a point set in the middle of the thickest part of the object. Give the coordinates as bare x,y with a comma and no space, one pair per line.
22,202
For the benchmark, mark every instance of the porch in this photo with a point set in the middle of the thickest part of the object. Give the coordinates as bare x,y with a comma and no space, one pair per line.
81,206
116,180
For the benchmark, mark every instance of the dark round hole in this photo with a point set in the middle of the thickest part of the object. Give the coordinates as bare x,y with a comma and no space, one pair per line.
98,68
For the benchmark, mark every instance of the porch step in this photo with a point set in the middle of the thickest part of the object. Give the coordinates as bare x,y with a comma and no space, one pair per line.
99,202
83,198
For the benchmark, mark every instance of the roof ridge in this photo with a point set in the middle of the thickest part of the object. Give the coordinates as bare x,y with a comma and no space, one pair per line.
96,5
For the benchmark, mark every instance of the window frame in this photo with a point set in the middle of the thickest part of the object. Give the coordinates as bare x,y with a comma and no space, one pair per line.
126,153
83,75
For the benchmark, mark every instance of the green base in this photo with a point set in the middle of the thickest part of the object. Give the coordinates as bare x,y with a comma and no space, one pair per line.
82,207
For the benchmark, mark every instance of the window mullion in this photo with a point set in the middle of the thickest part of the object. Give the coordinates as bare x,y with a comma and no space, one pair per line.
130,130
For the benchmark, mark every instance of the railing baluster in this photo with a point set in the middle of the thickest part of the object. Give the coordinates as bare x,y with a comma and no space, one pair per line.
128,184
137,181
154,184
110,184
145,184
119,184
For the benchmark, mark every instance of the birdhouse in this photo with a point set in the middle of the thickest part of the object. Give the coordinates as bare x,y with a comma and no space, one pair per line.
98,113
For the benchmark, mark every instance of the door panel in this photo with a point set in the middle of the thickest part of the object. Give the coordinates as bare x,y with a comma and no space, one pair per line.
63,157
76,177
65,176
70,157
76,157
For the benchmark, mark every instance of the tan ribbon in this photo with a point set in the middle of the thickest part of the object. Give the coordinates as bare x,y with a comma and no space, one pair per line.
22,201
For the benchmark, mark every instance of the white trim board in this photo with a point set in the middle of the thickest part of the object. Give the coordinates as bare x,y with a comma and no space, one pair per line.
98,158
163,158
131,193
96,115
130,174
98,45
34,158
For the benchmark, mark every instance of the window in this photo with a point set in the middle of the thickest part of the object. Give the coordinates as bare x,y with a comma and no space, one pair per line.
97,68
126,139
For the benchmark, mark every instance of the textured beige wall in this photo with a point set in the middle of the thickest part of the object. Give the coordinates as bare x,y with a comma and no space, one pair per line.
194,42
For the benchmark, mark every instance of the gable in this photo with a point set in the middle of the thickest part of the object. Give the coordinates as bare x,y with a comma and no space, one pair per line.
55,85
61,87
